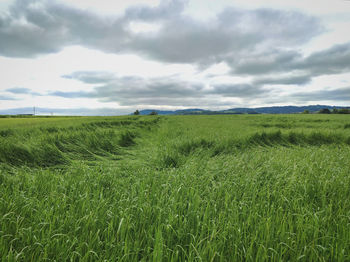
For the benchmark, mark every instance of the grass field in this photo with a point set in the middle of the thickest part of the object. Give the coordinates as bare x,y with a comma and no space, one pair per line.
176,188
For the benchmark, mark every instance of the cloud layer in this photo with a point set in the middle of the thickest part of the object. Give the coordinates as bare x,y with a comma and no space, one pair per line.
36,27
134,90
261,46
339,94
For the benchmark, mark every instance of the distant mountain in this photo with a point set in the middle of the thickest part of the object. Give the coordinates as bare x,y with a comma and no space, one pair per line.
175,112
244,110
284,109
160,112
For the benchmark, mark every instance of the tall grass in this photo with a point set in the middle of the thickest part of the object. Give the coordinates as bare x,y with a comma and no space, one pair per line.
189,188
55,145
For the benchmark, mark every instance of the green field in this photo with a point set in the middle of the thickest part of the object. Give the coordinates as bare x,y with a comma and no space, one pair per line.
175,188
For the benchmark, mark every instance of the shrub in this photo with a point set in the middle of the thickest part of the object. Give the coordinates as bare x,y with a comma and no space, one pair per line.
324,111
344,111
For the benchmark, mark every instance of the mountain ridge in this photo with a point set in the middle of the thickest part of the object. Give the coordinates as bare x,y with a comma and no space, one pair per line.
245,110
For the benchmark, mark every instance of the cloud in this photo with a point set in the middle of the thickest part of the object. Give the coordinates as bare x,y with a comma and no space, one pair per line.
19,90
338,94
78,94
284,80
301,70
232,34
36,27
261,44
166,9
334,60
267,62
22,91
9,98
238,90
134,90
170,91
89,77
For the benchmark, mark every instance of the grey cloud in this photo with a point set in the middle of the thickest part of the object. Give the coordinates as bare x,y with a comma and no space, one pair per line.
334,60
2,97
287,80
36,27
135,90
238,90
266,62
232,34
40,26
30,30
89,77
19,90
80,94
166,9
188,41
22,91
161,91
282,28
170,91
340,94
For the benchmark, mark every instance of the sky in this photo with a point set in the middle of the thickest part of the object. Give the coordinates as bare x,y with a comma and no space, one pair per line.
89,57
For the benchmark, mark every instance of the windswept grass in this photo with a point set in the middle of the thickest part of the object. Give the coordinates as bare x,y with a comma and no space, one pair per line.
45,146
183,188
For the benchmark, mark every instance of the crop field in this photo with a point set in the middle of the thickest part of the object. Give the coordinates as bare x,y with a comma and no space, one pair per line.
175,188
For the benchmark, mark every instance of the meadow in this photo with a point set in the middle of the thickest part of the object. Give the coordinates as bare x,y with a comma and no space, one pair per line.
175,188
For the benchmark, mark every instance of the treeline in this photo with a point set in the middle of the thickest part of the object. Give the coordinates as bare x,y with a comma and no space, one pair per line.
218,113
335,111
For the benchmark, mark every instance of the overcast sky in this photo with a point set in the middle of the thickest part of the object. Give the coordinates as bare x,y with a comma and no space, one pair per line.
112,57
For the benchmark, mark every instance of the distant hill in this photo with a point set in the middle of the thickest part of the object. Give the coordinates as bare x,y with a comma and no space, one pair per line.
243,110
285,109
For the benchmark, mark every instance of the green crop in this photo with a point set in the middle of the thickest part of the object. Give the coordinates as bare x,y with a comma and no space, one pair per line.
175,188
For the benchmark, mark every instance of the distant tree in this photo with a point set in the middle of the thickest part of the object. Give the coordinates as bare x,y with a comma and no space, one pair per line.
306,111
137,112
344,111
335,111
324,111
153,113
